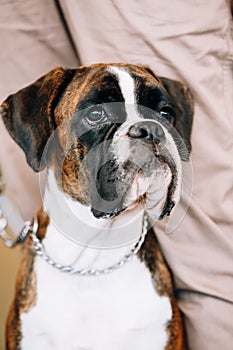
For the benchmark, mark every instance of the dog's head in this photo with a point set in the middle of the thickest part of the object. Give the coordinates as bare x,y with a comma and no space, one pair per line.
121,134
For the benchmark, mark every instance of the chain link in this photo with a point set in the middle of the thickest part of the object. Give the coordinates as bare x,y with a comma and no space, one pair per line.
40,251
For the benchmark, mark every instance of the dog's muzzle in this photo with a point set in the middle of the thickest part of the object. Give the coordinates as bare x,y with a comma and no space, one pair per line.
140,168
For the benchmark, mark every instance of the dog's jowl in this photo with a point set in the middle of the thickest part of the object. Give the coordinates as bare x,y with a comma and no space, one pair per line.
112,138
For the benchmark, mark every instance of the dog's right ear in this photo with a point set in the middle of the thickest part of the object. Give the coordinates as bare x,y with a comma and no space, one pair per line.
28,114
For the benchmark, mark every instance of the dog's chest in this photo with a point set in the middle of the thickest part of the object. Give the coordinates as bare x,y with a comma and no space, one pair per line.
117,311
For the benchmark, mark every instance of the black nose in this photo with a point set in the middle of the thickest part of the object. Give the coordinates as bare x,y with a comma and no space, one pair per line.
148,131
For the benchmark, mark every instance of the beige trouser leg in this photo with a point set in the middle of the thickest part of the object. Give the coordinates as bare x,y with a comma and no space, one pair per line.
190,41
32,41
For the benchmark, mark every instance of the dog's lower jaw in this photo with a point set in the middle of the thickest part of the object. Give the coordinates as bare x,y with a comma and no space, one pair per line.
76,226
151,192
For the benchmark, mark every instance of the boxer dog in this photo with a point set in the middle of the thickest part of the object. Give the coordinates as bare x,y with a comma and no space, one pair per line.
112,138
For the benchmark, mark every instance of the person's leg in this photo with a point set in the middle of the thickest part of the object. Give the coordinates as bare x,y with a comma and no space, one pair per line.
189,41
33,41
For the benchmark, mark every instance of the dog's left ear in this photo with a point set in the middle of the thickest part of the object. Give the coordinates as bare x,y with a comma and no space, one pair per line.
28,114
184,105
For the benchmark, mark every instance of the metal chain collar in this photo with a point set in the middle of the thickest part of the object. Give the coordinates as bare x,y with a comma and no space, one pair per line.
40,250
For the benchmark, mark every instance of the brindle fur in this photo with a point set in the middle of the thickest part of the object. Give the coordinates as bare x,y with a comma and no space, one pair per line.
49,102
150,253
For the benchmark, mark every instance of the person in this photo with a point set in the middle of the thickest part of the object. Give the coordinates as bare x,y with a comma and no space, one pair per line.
189,41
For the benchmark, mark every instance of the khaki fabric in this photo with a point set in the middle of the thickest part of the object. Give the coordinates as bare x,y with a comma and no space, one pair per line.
190,41
33,41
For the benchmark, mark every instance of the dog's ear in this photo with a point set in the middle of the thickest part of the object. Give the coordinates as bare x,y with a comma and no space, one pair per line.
184,105
28,114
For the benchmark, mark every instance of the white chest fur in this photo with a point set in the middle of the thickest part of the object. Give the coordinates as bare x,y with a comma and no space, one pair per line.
119,311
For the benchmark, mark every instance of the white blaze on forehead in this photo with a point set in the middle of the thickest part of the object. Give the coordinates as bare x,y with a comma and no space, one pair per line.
127,86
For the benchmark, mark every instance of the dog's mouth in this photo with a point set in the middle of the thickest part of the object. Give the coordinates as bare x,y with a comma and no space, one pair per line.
148,183
155,192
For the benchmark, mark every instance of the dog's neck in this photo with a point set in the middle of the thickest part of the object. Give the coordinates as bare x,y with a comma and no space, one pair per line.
75,237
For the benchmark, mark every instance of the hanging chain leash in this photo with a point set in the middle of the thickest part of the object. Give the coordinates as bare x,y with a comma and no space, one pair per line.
8,241
21,237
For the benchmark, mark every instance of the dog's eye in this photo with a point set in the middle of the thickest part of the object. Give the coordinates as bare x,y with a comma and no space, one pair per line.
168,113
96,116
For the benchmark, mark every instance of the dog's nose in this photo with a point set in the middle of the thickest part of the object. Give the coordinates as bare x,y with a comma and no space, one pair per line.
148,131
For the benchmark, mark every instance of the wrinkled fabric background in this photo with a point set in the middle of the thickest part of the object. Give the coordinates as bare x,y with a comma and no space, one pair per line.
190,41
